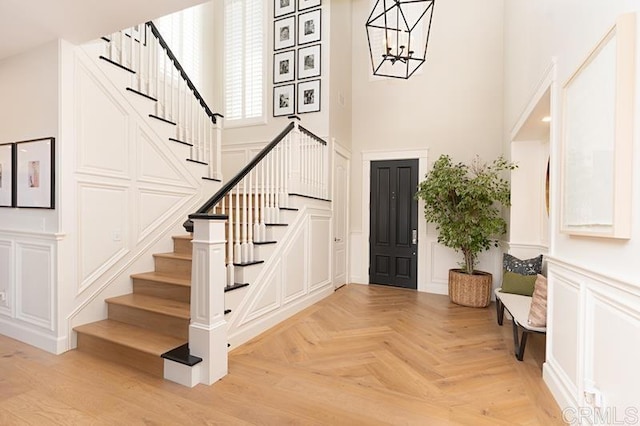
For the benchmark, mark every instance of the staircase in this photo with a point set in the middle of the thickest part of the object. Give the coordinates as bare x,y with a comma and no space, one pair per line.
276,189
151,321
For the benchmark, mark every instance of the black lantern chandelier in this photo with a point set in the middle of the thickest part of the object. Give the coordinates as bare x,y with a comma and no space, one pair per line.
398,34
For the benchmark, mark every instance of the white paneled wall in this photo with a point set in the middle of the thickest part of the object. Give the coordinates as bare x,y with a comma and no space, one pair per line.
594,338
295,276
28,278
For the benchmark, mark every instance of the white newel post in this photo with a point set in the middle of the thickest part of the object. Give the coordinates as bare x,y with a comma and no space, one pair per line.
295,168
208,329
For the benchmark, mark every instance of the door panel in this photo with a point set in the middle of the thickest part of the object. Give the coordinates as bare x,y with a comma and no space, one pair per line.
394,217
340,204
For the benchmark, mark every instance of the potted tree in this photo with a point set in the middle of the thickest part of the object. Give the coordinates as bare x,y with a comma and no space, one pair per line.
463,201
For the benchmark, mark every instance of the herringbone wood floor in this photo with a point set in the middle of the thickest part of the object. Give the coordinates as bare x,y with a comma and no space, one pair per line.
366,355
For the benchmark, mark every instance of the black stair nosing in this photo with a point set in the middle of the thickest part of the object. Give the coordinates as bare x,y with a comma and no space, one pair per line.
144,95
263,243
181,355
197,162
255,262
180,142
291,209
227,311
104,58
276,224
235,286
162,119
211,179
107,39
310,197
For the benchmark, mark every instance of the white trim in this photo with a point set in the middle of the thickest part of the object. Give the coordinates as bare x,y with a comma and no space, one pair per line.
346,153
367,157
40,339
548,78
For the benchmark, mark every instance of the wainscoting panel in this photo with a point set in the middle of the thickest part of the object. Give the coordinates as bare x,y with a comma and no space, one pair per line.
6,277
320,251
154,206
35,285
155,167
269,297
294,280
103,128
104,222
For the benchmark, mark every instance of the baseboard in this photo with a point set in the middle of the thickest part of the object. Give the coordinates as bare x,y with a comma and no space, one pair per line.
558,388
437,288
51,344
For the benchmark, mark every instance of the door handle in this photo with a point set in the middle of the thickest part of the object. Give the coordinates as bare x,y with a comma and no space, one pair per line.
414,236
337,240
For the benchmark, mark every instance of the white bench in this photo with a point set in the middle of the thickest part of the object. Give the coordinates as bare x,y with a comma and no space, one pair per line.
518,307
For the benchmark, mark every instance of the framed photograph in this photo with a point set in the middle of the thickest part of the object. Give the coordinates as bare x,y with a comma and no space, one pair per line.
283,7
309,61
308,4
284,66
309,26
35,173
284,100
284,33
597,138
6,175
309,96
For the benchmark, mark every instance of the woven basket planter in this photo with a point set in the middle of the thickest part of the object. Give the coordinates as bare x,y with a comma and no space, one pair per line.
470,290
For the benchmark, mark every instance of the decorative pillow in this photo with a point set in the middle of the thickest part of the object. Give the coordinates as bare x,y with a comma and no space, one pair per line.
538,311
531,266
517,283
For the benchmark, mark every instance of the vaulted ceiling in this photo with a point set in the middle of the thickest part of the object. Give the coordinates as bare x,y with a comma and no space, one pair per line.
25,24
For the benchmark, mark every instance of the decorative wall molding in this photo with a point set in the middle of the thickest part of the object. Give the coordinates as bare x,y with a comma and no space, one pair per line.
35,290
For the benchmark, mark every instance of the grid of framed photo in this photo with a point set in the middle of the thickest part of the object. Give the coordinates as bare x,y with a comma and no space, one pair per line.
27,174
297,57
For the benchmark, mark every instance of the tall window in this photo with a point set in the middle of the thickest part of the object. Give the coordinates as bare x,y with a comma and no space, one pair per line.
244,69
183,33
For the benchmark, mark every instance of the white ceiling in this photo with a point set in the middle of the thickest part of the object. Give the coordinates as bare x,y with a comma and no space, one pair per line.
25,24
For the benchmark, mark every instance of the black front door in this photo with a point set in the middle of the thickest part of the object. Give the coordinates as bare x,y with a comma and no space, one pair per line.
393,233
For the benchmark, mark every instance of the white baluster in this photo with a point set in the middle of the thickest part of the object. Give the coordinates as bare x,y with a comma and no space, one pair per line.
263,202
276,184
249,181
230,267
256,206
245,230
131,50
237,249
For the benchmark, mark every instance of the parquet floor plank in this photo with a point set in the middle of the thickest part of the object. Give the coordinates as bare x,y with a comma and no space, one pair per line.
367,355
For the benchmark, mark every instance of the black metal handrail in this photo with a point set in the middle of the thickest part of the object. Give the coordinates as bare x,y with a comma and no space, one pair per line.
154,30
311,134
226,188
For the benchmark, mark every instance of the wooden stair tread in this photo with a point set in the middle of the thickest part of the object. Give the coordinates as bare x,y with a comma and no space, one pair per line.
162,278
172,255
183,237
138,338
158,305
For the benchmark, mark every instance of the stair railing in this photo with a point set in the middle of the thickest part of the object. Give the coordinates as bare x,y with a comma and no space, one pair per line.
158,75
294,163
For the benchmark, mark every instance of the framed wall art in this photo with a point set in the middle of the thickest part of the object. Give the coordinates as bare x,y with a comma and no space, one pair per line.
309,26
284,68
308,4
284,33
309,96
283,100
309,61
597,137
34,173
6,175
283,7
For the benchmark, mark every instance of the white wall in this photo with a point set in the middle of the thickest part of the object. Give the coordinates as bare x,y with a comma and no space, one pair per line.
594,292
454,106
28,237
339,72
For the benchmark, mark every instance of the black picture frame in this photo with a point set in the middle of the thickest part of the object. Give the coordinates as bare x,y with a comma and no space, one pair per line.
284,66
310,27
284,33
284,100
34,173
308,4
7,179
309,61
309,96
283,7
